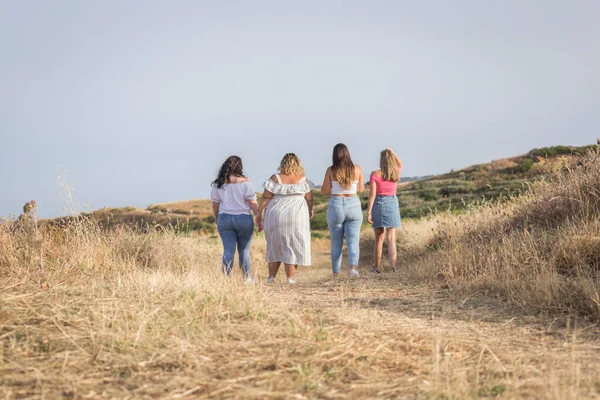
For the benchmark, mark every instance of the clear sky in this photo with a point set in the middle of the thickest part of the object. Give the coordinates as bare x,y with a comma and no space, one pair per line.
140,101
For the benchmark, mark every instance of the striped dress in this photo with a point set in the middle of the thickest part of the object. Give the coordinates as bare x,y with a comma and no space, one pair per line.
287,222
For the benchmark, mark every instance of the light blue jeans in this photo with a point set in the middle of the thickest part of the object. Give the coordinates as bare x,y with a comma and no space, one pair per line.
344,217
236,230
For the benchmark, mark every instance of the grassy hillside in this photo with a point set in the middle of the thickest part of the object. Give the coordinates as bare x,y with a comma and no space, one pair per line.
184,216
540,250
501,301
457,190
460,189
454,191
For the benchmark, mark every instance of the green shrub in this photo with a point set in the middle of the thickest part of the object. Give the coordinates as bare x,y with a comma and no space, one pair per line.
429,195
318,197
319,222
554,151
450,190
194,225
525,165
319,235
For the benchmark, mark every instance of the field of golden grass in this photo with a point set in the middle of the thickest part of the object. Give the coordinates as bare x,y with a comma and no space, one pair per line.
498,303
89,314
539,251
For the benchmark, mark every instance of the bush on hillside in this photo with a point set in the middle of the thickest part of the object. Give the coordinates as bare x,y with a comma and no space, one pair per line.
319,222
524,166
450,190
548,152
429,195
540,249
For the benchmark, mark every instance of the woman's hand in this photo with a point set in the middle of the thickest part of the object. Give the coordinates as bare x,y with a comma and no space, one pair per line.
259,222
370,218
310,214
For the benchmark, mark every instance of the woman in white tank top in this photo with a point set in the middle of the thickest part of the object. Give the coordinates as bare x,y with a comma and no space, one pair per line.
343,181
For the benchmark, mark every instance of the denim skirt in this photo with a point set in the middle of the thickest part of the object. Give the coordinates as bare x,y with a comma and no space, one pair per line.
386,212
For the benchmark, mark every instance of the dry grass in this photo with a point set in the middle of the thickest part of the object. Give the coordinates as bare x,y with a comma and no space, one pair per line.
540,251
86,313
201,207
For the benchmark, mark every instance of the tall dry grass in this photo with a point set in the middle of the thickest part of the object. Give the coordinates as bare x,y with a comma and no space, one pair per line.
79,304
540,250
89,313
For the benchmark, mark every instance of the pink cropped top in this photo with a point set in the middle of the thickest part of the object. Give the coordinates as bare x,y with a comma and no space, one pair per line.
384,188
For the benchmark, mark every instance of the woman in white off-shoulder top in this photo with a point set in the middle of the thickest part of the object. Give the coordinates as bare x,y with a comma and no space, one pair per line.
289,206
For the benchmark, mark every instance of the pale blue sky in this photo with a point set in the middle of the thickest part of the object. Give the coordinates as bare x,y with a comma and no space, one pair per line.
140,101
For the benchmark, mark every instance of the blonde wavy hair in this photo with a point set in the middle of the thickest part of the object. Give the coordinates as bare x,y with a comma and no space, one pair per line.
291,165
389,166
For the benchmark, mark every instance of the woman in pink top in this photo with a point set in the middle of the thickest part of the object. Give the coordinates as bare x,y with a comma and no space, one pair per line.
384,210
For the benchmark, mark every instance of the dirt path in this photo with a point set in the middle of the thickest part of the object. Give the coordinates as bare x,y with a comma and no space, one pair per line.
432,343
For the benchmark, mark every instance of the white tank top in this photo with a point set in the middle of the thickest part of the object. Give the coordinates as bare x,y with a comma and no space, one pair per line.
337,188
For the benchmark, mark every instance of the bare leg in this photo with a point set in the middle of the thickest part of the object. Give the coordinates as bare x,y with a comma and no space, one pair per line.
378,246
273,268
290,270
392,254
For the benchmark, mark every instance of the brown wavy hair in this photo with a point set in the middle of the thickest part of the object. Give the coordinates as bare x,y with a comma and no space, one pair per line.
389,166
291,165
232,166
342,169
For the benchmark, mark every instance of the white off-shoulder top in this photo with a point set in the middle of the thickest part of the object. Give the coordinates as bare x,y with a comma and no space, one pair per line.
287,189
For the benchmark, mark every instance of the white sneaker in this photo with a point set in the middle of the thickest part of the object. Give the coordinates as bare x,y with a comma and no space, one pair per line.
354,272
271,279
249,280
291,281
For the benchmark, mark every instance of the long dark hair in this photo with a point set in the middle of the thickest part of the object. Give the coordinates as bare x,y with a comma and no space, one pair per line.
231,166
342,168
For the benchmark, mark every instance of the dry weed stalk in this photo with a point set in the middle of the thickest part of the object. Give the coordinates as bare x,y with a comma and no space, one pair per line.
540,250
129,313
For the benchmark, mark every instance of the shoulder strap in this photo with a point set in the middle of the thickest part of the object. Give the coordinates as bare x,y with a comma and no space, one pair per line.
302,180
278,178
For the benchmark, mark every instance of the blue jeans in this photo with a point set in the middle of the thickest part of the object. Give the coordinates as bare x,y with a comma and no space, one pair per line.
344,217
236,230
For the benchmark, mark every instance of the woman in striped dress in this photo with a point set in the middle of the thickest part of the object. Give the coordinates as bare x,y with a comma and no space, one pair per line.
288,202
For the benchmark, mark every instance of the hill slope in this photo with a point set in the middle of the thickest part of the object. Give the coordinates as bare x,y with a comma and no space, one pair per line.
454,191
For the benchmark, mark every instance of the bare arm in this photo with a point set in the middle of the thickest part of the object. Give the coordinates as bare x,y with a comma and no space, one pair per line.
253,206
398,161
372,193
361,180
326,187
264,200
309,201
215,207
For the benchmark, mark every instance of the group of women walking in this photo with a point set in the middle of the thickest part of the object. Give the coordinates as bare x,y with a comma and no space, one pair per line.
286,208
